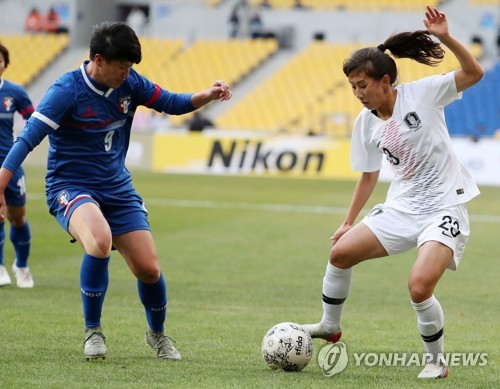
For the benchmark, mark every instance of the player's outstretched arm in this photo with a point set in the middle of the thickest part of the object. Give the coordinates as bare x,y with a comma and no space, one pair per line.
471,71
218,91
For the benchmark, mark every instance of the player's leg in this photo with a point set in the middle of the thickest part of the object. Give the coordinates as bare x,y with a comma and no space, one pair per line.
356,245
440,246
89,227
20,236
139,251
4,275
433,258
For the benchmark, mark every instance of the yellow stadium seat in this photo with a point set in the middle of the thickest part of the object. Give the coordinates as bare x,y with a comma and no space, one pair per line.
311,93
31,54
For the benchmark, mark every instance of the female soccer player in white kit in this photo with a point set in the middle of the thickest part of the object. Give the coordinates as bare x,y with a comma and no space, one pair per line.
425,205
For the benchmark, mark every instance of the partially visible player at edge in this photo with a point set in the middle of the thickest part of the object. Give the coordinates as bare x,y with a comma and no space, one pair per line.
425,205
14,98
87,114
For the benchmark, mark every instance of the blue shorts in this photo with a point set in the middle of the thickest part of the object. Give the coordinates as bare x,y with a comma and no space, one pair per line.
15,193
122,207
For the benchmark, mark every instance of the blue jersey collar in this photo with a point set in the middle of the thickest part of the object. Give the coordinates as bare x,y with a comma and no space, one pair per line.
96,87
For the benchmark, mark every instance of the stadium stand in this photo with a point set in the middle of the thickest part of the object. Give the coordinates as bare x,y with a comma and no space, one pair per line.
31,54
297,89
156,54
192,66
351,5
310,95
206,60
478,113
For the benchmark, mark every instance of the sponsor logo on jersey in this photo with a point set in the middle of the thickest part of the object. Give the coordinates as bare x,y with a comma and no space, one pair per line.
8,102
124,104
89,112
376,211
413,121
63,198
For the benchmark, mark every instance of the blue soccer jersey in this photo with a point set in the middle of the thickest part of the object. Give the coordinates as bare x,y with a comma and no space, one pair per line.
89,126
13,98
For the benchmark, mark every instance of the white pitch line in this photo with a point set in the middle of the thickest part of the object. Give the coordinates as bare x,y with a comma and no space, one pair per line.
284,208
291,208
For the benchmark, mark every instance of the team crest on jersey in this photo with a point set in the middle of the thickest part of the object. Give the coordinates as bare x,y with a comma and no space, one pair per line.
413,121
63,198
8,102
124,104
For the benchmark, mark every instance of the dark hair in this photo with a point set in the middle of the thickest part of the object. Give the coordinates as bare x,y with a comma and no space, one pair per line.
5,53
417,45
115,42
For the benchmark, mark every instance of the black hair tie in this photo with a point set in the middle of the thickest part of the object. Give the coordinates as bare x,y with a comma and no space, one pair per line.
382,47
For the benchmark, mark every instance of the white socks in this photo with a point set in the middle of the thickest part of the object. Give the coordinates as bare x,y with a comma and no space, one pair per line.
336,285
431,323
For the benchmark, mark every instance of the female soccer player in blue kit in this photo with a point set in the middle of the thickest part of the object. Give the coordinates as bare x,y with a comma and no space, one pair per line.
14,98
87,114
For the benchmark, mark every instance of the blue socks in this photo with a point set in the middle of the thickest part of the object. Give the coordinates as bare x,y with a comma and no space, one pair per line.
154,299
21,239
94,278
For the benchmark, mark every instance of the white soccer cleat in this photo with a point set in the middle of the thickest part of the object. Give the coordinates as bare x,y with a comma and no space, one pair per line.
23,276
94,345
4,276
318,330
163,345
434,370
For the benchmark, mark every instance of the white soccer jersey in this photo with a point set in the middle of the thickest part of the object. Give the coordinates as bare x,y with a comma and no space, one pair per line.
428,176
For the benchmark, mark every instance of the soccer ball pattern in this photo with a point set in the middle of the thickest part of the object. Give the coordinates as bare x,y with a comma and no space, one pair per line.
287,347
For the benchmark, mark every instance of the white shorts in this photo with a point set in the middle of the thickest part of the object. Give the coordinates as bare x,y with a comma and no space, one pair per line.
399,231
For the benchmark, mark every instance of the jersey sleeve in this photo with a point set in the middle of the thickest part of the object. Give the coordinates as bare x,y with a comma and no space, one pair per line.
153,96
437,91
24,104
365,156
16,156
53,106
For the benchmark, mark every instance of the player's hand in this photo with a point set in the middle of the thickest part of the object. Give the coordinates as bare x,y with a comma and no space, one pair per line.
436,22
3,207
338,234
221,91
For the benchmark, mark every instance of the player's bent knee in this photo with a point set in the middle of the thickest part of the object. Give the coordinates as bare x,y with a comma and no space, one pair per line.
17,221
419,291
148,274
101,246
341,258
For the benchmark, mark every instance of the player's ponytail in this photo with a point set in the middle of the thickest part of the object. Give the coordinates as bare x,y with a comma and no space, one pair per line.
373,61
417,45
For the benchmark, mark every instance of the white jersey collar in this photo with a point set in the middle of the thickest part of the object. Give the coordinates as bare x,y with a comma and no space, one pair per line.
91,84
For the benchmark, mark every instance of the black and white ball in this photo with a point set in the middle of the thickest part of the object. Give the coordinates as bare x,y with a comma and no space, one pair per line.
287,347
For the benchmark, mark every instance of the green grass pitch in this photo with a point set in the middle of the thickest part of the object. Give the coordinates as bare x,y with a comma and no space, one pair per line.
241,254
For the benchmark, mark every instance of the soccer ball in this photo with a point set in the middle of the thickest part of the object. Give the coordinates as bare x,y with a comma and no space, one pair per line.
287,347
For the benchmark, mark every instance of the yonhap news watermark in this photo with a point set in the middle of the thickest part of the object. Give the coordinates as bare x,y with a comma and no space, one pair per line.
334,358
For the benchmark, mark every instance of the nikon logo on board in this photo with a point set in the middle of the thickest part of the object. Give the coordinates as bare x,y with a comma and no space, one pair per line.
257,156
